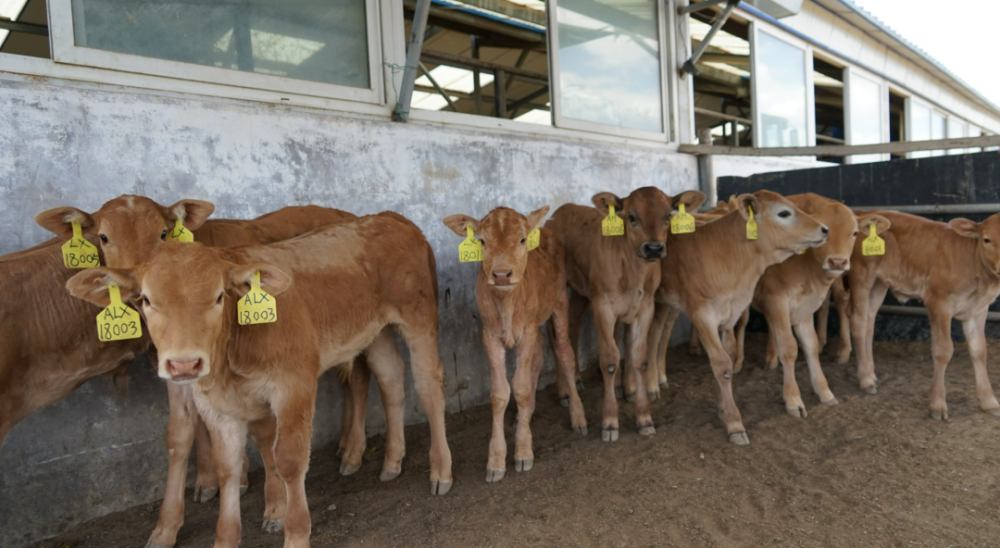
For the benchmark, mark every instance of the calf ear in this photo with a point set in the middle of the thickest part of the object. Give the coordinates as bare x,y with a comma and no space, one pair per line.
733,204
92,285
744,201
59,220
192,213
864,221
457,224
602,200
692,200
272,279
965,227
536,217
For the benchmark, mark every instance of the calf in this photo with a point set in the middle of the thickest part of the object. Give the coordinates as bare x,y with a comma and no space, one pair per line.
126,230
789,294
954,268
618,275
353,283
517,290
711,275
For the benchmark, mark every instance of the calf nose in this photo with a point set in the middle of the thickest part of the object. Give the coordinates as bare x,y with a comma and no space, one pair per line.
653,250
184,368
502,277
825,230
837,264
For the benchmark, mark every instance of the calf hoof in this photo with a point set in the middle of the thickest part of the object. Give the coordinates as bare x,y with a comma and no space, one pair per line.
272,526
740,438
831,402
244,489
618,392
151,545
653,395
582,430
523,465
340,451
994,412
493,476
843,358
772,366
647,430
440,487
609,434
664,384
205,495
630,397
938,414
388,475
348,469
579,387
738,366
870,389
695,351
798,412
564,401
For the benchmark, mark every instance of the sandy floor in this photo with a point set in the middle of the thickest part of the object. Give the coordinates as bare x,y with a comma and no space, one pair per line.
872,471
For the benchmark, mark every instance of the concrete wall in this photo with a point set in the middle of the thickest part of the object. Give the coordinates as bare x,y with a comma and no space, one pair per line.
80,145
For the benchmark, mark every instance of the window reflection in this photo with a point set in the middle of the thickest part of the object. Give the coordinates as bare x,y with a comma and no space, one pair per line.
865,99
780,85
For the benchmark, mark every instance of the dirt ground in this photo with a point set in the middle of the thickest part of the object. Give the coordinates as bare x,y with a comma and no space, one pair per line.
872,471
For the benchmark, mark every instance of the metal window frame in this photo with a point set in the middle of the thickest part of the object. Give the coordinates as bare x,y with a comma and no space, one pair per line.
908,105
65,51
757,27
555,81
851,73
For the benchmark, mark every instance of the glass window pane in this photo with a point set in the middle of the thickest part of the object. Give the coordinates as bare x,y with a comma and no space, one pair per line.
956,129
307,40
780,86
937,130
609,63
865,115
919,125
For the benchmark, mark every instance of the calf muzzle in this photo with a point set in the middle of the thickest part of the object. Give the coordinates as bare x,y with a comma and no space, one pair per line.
502,278
653,251
184,369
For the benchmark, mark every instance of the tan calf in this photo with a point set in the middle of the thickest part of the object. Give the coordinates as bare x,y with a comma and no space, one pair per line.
337,291
516,291
618,275
954,268
711,275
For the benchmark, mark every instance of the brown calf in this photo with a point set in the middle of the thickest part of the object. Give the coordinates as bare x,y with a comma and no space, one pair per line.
370,275
954,268
618,276
711,275
516,291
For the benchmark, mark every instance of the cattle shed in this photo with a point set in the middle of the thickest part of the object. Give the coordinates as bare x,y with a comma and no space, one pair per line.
423,107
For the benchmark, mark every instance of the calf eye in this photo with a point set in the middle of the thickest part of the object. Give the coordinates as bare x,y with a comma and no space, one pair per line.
104,238
986,240
631,218
482,241
164,235
219,300
145,300
855,233
785,213
523,240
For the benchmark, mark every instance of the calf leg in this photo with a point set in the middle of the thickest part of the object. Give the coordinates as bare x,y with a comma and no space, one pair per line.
722,369
656,332
348,417
604,321
496,464
637,343
780,328
228,448
741,335
566,360
291,455
620,388
357,386
942,349
661,351
390,373
771,354
181,426
823,321
975,337
528,353
842,300
865,302
206,483
810,345
263,433
577,306
694,344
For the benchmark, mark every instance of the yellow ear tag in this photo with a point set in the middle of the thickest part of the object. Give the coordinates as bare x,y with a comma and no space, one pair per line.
682,223
78,252
180,234
471,249
751,226
118,321
257,306
873,245
534,239
612,225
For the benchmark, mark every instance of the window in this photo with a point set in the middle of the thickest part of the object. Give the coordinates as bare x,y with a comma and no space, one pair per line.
782,83
31,38
865,108
325,49
918,126
956,129
722,83
937,130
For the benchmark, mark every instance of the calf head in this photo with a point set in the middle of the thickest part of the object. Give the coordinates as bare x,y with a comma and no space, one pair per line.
182,290
844,228
128,227
503,234
987,236
783,229
646,212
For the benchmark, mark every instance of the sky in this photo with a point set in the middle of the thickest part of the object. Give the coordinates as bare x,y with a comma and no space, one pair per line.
963,40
